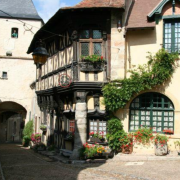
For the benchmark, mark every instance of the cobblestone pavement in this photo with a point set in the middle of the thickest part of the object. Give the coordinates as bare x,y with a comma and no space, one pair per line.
18,163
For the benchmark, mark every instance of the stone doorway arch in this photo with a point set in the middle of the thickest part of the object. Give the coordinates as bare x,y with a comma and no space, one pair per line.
12,120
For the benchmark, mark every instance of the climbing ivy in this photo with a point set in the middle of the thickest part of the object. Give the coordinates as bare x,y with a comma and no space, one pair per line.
159,68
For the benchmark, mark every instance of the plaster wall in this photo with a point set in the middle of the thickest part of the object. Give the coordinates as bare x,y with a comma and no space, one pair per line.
18,46
138,43
16,88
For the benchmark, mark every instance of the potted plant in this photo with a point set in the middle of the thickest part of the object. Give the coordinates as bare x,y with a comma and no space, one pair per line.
43,128
94,137
161,147
177,145
93,58
168,131
92,63
36,138
143,135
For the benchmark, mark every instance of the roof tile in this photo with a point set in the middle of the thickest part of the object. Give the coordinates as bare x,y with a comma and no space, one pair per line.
140,11
98,4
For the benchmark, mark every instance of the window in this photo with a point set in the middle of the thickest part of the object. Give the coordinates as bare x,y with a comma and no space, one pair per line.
151,110
172,36
14,32
91,42
4,75
72,126
97,125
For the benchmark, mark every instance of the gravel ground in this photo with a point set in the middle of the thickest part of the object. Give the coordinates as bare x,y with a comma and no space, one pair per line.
20,163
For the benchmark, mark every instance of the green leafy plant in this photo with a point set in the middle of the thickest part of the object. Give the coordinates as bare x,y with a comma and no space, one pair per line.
93,58
88,151
143,135
161,139
158,70
28,130
51,148
43,127
116,135
177,145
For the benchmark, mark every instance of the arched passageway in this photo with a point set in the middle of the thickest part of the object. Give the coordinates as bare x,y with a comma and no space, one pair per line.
12,119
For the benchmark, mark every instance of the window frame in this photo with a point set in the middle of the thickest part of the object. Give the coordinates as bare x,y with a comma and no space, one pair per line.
98,120
12,30
91,41
154,113
172,22
73,126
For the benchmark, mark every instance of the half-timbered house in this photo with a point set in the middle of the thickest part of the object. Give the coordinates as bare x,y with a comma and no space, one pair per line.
68,87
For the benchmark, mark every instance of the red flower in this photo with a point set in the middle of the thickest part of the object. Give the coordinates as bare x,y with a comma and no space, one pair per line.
101,57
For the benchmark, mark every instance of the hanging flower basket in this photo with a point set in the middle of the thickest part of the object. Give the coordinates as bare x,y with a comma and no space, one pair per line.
43,128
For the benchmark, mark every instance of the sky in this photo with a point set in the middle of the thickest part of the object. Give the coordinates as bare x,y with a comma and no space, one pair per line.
47,8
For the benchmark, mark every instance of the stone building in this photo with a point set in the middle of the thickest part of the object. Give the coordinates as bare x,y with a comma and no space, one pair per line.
19,21
122,32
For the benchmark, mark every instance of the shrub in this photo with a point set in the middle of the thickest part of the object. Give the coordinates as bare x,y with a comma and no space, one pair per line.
28,130
116,134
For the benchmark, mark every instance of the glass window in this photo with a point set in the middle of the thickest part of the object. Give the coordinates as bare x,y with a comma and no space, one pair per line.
90,42
84,49
97,34
97,126
97,48
84,34
151,110
72,126
172,36
4,74
14,32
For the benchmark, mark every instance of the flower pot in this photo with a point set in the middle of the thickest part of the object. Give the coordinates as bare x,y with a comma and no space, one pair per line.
95,140
127,149
161,149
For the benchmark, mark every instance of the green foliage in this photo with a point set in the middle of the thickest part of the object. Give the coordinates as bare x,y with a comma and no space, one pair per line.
43,127
143,136
177,144
88,151
158,70
28,129
93,58
51,148
162,139
116,134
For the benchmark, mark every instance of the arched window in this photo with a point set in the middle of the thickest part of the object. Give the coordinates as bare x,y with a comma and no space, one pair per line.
151,110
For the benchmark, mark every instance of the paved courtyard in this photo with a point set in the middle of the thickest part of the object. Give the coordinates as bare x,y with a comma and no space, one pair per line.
18,163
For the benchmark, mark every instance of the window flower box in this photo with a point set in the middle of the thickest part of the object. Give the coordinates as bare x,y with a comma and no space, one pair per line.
93,63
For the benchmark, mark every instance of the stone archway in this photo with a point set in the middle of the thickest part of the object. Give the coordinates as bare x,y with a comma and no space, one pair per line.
12,119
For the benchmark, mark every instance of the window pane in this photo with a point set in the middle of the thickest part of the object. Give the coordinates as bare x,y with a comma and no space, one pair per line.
97,48
85,49
84,34
97,34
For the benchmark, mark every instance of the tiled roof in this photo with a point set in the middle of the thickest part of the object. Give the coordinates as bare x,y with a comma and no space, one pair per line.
98,4
139,13
19,9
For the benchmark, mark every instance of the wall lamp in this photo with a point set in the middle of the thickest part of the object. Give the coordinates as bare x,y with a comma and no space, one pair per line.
119,25
40,54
